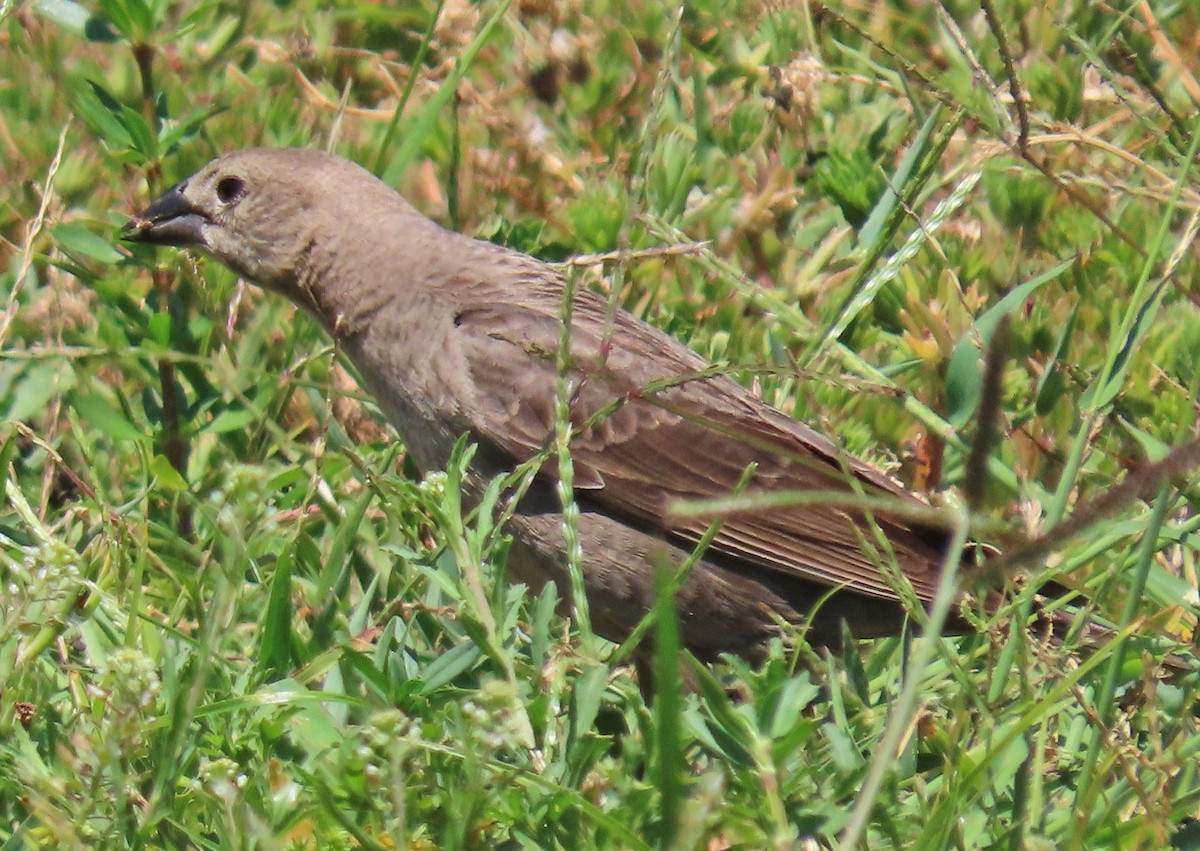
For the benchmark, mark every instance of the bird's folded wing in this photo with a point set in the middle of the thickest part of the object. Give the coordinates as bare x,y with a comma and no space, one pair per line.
655,425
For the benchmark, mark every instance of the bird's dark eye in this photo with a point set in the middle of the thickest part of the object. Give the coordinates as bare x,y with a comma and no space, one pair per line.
230,188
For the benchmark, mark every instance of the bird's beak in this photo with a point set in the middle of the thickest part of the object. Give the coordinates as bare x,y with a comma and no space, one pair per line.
171,220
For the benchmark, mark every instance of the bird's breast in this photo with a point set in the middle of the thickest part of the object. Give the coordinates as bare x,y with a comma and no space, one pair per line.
408,367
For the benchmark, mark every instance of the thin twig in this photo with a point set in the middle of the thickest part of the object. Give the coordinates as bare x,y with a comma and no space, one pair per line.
1141,483
990,400
1014,83
676,250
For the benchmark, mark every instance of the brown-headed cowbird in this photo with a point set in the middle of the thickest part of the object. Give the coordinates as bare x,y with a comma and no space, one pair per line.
458,336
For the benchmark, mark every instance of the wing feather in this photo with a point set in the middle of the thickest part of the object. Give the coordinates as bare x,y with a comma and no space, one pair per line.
660,427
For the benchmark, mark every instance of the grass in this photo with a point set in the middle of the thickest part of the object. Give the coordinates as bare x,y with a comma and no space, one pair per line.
233,616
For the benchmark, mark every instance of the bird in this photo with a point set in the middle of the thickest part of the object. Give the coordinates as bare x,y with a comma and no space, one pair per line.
457,336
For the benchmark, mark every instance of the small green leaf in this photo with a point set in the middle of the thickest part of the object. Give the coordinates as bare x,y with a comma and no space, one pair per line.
105,416
76,20
274,647
117,14
445,668
167,477
143,139
76,239
1153,448
231,420
964,373
102,113
964,377
72,17
585,706
174,132
159,328
539,627
33,386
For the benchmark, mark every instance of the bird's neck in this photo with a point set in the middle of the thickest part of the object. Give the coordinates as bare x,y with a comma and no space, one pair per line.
347,279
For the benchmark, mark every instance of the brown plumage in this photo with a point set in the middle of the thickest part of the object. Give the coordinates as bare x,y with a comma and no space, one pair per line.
454,335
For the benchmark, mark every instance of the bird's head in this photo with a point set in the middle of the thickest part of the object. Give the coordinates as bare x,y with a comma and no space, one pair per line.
258,210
